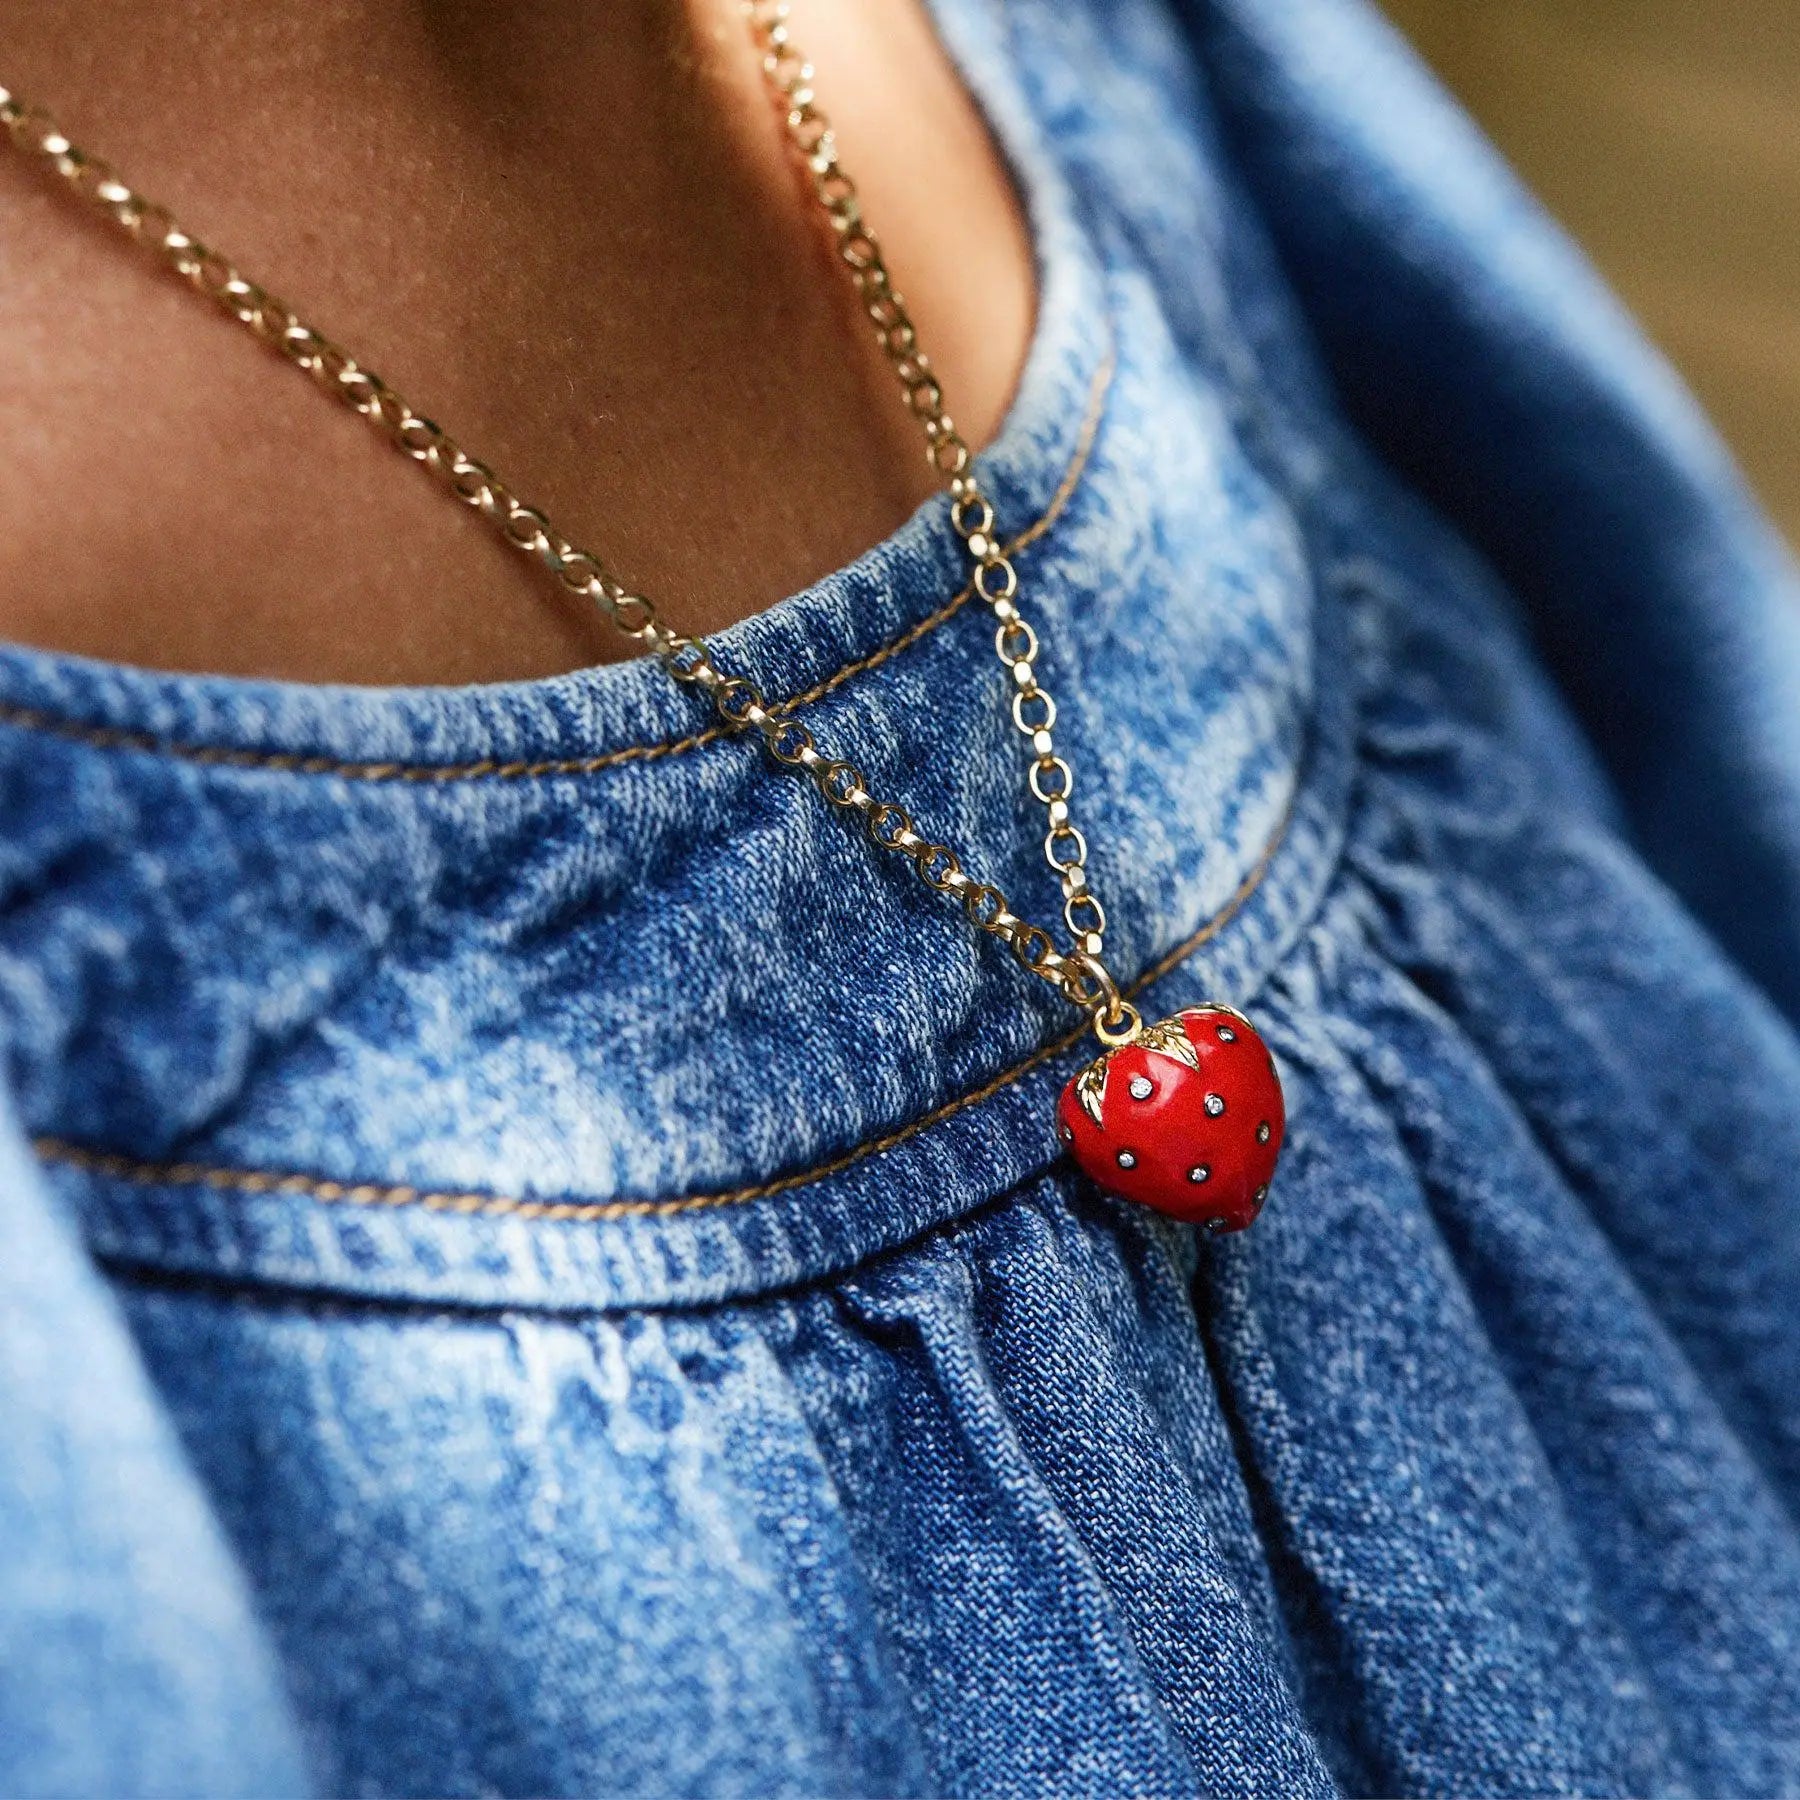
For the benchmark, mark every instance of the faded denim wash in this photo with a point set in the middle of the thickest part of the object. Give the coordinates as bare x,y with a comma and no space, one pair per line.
531,1261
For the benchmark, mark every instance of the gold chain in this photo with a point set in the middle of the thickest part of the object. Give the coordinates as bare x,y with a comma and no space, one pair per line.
1078,974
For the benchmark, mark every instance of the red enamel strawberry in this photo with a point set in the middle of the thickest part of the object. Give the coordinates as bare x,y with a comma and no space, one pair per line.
1186,1118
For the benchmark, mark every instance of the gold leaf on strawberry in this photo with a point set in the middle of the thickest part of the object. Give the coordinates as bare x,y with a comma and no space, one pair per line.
1187,1117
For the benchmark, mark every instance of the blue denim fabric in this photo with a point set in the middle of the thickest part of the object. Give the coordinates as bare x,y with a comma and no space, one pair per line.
545,1268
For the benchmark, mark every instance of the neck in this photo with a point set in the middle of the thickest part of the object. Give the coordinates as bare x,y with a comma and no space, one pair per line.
191,81
579,244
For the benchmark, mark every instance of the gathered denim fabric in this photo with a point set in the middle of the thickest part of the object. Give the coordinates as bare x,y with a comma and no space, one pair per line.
533,1260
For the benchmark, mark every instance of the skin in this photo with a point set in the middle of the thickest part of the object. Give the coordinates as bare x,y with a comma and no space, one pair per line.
582,247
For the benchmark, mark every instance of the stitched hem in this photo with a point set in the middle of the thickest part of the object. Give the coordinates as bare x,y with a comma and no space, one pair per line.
148,1173
106,737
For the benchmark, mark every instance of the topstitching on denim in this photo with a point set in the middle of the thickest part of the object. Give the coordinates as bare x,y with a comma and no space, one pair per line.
148,1172
110,737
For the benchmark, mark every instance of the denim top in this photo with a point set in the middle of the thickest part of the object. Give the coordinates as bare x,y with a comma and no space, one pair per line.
533,1260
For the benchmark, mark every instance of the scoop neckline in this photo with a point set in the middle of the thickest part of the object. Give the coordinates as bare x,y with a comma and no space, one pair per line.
800,641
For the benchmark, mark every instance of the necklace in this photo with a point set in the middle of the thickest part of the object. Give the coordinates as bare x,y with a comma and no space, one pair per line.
1184,1115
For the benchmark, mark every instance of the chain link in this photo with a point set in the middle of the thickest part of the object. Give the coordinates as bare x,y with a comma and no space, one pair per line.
996,579
1077,973
335,370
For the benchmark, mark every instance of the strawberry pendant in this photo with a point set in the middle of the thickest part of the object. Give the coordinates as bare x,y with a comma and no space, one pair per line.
1187,1117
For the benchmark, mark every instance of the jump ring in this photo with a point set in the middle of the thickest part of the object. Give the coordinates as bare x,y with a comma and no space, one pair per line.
1122,1026
948,454
788,742
983,904
1030,727
1082,913
1032,945
985,571
1065,834
887,824
1007,639
938,866
632,613
971,515
1065,774
526,527
578,571
838,781
736,698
